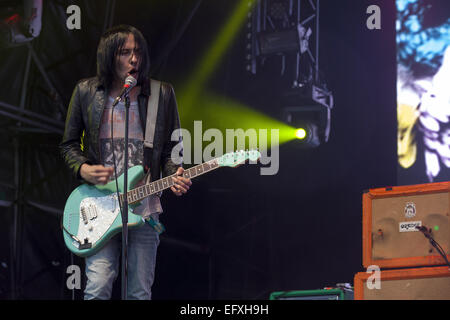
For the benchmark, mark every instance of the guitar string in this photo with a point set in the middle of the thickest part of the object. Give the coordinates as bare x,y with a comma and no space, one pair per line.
196,173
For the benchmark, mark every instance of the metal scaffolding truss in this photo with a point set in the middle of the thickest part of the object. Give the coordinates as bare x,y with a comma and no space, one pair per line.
289,29
33,128
285,33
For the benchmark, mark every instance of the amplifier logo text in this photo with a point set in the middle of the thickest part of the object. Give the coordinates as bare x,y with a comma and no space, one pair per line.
409,226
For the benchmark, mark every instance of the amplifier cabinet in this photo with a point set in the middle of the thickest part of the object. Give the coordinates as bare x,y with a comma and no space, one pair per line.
319,294
428,283
390,217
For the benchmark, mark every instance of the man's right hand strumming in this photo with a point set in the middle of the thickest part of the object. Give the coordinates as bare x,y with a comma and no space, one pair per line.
96,174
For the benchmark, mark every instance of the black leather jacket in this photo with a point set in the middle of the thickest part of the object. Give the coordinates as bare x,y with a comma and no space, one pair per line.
80,142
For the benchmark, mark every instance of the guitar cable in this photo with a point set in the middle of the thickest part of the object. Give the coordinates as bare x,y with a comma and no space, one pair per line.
434,243
70,234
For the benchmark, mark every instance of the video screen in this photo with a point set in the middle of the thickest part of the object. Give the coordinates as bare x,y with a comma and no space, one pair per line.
423,90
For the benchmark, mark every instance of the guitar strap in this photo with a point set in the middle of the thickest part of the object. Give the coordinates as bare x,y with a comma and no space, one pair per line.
152,111
150,125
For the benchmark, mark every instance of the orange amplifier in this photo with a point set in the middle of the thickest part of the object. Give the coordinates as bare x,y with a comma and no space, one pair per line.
430,283
391,216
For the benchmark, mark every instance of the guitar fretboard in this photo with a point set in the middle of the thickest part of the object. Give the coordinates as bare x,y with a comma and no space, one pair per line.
141,192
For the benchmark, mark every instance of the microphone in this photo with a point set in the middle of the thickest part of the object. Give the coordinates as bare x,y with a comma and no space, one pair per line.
130,82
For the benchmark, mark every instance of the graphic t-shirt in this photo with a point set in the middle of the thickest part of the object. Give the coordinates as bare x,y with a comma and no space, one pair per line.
135,146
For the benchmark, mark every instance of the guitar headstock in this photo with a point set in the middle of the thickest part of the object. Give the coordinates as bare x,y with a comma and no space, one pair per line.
234,159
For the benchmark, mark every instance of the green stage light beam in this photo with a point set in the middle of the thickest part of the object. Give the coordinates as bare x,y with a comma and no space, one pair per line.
237,121
212,57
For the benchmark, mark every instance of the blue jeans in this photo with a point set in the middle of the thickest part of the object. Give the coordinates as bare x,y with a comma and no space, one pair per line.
102,268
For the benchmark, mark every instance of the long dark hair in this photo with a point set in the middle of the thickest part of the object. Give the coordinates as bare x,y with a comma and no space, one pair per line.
111,42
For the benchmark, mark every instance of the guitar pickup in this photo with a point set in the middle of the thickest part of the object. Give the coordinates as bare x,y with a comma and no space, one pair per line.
92,212
84,216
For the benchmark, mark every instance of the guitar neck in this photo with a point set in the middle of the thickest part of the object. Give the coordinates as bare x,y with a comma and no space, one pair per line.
141,192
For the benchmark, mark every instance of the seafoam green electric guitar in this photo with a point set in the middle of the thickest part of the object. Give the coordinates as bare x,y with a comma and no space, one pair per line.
92,213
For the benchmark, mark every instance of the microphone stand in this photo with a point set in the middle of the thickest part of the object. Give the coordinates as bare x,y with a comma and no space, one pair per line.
125,205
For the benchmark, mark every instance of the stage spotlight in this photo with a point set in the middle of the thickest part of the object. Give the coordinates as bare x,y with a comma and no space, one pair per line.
17,29
300,133
308,107
308,136
312,123
295,39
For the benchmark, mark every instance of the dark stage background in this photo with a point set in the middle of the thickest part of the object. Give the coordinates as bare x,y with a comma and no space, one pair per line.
236,234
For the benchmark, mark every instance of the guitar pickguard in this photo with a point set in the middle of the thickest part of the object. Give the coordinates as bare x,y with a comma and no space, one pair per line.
96,215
